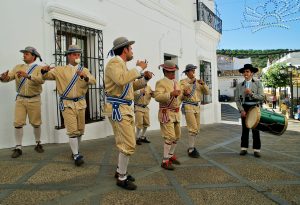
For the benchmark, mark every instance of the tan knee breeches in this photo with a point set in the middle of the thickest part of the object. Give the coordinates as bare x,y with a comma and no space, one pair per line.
170,131
142,119
193,122
24,108
124,134
74,121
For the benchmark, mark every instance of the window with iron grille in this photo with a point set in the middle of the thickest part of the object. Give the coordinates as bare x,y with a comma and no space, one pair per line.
205,75
91,42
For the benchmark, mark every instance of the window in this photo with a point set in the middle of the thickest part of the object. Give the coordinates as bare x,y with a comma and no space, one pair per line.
205,75
91,42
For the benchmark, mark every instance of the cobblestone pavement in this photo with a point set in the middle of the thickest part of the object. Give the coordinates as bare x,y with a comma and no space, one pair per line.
219,176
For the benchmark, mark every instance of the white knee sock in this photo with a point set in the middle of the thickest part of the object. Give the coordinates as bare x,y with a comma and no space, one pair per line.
74,145
144,132
19,137
79,139
122,165
167,148
37,134
138,133
191,142
172,150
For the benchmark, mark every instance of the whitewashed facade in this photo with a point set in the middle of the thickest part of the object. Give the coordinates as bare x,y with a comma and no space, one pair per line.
159,27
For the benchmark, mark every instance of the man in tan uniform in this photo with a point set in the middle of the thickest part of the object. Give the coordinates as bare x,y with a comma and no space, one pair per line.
28,101
72,83
120,84
169,94
142,99
190,106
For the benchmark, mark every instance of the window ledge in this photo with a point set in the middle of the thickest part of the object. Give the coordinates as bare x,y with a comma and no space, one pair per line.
66,13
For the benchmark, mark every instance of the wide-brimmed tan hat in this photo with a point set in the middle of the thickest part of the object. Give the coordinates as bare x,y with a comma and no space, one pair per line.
169,66
73,49
248,66
121,42
189,67
31,50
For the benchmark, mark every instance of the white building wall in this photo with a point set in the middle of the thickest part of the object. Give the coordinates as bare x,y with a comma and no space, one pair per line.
157,26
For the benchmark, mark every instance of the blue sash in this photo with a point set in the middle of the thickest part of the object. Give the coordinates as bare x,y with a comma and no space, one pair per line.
68,89
188,102
117,101
29,71
193,90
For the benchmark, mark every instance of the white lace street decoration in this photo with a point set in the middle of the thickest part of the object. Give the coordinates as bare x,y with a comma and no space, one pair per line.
263,14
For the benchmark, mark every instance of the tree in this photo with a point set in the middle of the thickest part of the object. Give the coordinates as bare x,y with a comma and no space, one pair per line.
273,78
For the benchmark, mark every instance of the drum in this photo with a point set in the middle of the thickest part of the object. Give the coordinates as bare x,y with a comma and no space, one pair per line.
266,121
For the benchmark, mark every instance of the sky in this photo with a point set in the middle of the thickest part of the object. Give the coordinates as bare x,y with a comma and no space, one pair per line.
234,36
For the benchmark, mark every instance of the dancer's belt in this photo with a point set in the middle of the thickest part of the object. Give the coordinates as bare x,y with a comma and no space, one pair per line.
61,103
189,103
116,102
165,117
140,105
25,96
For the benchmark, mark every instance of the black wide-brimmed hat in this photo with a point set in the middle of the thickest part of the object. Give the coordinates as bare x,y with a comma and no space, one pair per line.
248,66
168,66
189,67
32,50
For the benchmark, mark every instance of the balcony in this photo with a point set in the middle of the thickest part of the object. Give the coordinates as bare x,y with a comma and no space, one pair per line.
206,15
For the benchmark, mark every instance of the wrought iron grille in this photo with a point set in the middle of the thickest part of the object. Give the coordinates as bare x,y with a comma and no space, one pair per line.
91,42
206,15
205,75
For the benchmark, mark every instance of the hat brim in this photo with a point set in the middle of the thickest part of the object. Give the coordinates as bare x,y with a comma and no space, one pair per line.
75,51
253,70
33,53
187,70
167,68
123,44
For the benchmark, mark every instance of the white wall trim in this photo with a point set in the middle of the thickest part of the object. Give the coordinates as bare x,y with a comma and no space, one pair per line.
70,14
167,9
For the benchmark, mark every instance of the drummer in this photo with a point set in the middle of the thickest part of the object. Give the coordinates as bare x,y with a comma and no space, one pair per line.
249,94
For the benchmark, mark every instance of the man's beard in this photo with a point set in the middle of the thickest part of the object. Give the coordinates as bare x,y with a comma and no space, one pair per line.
129,58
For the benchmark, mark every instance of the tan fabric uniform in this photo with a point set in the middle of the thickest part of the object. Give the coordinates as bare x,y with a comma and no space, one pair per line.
170,131
32,87
116,77
192,113
74,113
142,113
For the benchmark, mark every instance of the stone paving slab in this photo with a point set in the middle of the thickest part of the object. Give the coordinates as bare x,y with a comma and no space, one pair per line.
219,176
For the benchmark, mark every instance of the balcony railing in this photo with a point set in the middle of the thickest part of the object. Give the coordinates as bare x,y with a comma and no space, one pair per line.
206,15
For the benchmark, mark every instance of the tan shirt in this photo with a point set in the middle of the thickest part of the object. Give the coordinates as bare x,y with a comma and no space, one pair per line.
31,87
197,96
143,99
116,77
63,75
163,88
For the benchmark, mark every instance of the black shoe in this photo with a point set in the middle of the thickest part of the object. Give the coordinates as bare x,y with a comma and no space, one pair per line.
144,140
257,154
126,184
243,152
78,160
194,153
129,177
16,153
39,148
139,141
